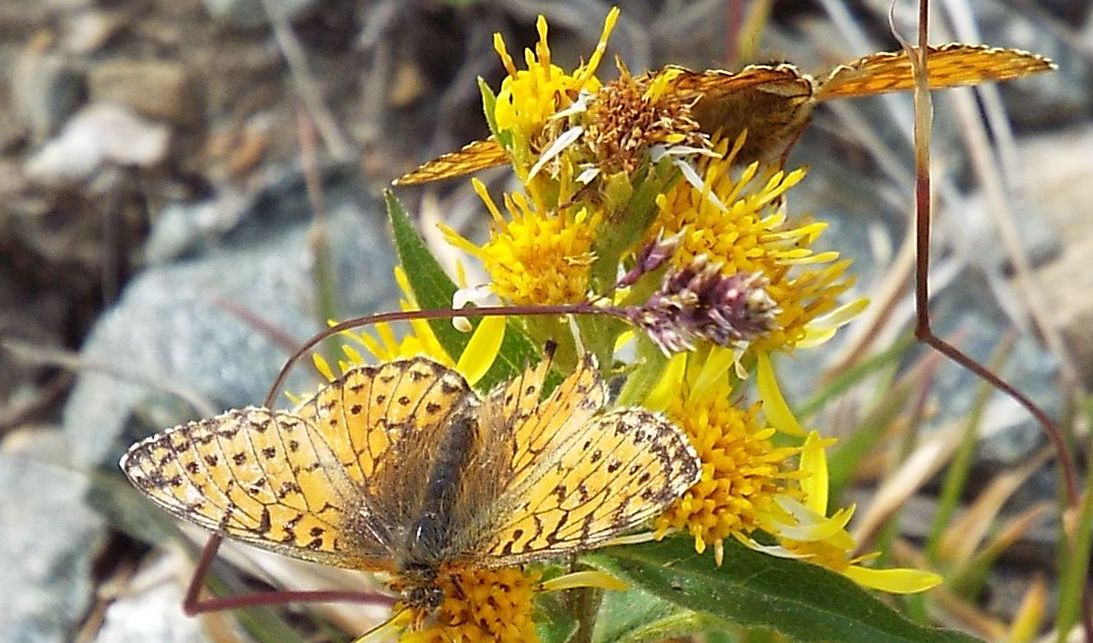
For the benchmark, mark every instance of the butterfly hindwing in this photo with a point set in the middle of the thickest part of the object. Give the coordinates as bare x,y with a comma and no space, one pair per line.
579,476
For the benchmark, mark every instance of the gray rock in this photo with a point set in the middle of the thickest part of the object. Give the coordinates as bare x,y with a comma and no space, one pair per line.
181,228
200,326
189,327
50,539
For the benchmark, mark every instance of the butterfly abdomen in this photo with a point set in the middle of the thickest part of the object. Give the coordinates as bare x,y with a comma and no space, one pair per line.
430,535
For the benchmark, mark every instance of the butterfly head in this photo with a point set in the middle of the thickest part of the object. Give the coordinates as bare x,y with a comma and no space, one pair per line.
420,588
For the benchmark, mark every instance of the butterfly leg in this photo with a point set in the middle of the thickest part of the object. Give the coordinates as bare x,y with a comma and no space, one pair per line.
923,329
193,604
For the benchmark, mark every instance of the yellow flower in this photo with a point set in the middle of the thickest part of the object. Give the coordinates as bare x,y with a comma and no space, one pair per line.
534,256
480,605
739,223
483,605
804,531
742,471
529,98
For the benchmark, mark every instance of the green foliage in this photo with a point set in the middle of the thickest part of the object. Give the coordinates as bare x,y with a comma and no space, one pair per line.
756,590
434,289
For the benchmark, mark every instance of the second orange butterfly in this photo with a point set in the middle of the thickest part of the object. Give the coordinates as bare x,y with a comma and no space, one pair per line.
774,102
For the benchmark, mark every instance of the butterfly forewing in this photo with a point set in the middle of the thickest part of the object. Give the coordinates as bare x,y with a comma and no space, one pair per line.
475,156
949,65
264,478
315,483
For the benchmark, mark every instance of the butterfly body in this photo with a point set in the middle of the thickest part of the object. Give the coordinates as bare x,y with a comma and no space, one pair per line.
402,468
428,540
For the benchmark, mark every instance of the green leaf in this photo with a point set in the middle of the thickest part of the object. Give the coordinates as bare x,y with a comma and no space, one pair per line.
553,622
489,102
752,589
636,616
433,289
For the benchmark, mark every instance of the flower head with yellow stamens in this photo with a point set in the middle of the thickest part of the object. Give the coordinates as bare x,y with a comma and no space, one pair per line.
530,98
533,256
630,115
738,222
479,605
742,470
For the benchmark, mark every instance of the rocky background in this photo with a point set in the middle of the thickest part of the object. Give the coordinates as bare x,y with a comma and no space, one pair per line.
190,187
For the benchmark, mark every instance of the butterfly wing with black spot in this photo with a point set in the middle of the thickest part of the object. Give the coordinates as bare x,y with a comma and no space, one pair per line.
314,483
571,476
264,478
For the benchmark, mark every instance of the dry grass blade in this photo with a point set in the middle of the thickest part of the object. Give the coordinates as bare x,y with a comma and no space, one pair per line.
965,535
922,464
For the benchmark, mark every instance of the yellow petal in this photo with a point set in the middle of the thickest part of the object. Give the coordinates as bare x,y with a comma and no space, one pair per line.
322,366
814,462
352,354
895,581
586,578
774,405
387,630
816,337
482,349
711,377
589,69
667,387
823,328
